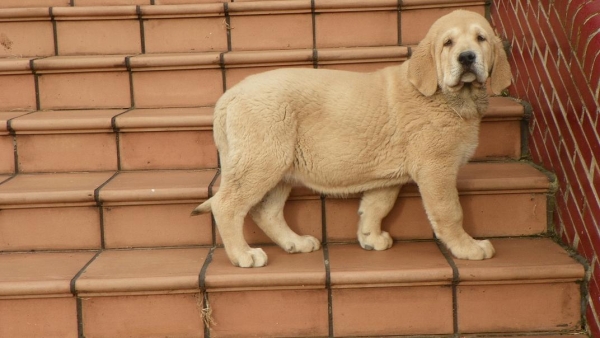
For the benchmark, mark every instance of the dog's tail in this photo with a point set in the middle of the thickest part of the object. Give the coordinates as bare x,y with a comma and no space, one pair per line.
202,208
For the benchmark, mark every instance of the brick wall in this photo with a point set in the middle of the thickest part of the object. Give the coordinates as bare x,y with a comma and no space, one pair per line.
555,58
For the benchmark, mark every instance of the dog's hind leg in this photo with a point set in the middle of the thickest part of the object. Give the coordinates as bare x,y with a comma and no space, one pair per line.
268,215
374,206
230,205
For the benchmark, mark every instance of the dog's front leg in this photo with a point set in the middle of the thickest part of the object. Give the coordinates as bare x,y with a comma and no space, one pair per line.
374,206
440,198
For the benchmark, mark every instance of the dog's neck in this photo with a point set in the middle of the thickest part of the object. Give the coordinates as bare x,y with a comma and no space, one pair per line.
471,101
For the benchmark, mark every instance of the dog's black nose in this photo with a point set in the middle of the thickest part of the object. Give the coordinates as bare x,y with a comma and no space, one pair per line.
466,58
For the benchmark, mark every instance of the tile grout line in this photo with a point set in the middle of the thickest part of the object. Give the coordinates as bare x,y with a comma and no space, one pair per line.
399,22
327,268
223,70
54,28
13,133
213,223
36,83
202,286
455,281
227,24
130,71
101,209
315,53
116,130
138,12
79,304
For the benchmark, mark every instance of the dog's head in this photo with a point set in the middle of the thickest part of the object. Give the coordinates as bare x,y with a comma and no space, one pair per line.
460,48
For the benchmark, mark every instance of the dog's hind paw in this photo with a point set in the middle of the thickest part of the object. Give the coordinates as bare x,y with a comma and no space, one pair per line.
372,241
303,244
252,258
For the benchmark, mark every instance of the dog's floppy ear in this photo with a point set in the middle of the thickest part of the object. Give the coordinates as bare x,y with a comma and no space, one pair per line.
500,75
422,71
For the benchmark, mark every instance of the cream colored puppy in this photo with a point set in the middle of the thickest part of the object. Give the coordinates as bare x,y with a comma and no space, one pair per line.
341,132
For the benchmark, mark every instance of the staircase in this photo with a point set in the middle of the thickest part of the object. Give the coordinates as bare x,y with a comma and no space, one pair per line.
106,147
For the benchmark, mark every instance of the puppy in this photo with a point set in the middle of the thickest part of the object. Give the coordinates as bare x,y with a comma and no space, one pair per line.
340,133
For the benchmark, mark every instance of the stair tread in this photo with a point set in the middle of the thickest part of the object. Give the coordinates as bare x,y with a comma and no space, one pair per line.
160,185
172,270
134,61
157,185
40,273
198,118
143,270
35,189
522,258
404,263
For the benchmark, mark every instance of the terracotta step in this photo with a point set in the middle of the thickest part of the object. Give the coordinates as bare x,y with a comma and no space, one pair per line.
166,138
113,139
532,285
158,80
498,200
151,208
102,27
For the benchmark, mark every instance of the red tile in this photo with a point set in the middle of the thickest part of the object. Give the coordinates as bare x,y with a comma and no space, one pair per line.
184,149
67,152
100,37
144,226
85,90
39,317
64,228
374,312
23,39
172,315
7,154
17,92
272,313
256,32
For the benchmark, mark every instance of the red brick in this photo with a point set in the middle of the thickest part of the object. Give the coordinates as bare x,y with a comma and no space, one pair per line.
591,320
589,143
580,81
586,30
537,34
561,39
559,86
530,61
570,86
574,6
593,231
595,78
585,12
592,54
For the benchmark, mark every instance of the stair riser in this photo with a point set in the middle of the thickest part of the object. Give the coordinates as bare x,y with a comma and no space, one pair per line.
176,315
183,149
158,29
170,225
519,308
7,154
39,317
100,152
417,310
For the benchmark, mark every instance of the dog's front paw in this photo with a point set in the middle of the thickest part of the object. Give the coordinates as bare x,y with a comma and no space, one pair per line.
474,250
373,241
302,244
252,258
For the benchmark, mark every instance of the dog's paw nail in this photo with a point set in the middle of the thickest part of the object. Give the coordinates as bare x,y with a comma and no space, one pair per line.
368,247
290,247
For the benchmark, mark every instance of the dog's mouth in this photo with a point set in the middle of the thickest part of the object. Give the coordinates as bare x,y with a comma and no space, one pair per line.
468,77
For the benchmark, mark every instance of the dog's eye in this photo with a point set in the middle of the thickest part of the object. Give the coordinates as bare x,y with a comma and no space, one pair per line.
448,43
481,38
